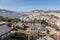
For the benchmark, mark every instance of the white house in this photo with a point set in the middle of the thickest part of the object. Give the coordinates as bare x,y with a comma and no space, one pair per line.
58,25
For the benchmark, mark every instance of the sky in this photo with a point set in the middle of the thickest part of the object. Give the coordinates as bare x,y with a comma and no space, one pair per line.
28,5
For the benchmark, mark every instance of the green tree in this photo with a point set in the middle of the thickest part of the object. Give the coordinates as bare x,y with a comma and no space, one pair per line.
9,24
48,31
1,18
17,27
18,36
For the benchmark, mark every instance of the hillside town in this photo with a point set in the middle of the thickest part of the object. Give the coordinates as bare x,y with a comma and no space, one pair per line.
29,19
30,26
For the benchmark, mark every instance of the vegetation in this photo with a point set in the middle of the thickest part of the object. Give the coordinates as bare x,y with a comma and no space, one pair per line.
9,19
53,16
18,36
56,17
40,21
17,27
48,31
9,24
1,18
15,20
41,35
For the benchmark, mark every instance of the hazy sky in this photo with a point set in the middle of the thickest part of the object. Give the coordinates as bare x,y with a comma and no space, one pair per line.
28,5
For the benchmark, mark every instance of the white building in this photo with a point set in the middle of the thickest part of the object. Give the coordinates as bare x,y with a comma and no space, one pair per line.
38,27
58,25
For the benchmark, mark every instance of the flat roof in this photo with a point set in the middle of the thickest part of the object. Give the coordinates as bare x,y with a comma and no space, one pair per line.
4,29
2,22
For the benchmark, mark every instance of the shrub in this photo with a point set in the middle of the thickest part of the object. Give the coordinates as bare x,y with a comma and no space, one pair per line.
9,24
17,27
18,36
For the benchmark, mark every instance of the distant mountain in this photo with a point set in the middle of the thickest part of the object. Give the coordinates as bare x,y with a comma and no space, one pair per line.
7,11
54,11
4,11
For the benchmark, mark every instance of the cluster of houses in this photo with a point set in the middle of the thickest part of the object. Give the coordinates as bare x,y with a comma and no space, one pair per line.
50,18
35,28
32,28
